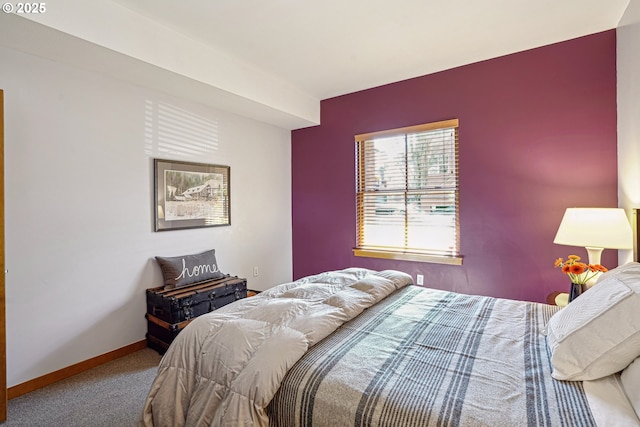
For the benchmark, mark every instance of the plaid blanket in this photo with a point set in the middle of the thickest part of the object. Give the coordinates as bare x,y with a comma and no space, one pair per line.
424,357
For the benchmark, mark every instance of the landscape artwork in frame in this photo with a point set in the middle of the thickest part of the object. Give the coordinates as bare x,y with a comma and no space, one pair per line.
191,195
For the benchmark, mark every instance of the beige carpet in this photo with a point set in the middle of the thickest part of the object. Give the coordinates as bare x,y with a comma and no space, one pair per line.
110,395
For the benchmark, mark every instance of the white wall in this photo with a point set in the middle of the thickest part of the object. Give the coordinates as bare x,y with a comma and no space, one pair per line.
79,215
628,68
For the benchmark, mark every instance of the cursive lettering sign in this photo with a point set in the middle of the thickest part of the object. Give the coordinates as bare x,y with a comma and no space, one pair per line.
197,270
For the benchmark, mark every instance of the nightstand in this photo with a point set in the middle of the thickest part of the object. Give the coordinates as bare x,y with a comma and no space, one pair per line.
561,299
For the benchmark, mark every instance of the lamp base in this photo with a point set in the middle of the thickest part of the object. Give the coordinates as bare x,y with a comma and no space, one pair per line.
592,281
594,254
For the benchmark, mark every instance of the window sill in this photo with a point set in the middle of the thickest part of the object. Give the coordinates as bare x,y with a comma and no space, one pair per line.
408,256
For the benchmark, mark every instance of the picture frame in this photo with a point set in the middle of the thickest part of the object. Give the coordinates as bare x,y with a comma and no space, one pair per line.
191,195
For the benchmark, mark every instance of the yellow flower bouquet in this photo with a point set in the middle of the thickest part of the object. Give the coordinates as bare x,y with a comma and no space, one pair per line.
579,272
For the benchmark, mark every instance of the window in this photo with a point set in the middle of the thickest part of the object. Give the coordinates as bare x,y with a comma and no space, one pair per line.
407,193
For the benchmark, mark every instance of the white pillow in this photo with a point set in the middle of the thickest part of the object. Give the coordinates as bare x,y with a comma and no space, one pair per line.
628,273
631,383
598,333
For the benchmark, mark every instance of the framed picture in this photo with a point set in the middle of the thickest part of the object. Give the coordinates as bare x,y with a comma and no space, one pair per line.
191,195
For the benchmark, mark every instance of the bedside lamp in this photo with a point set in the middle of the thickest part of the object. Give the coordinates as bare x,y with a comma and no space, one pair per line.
596,229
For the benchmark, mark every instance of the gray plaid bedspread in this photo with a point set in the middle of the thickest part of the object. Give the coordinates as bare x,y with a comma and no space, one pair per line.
424,357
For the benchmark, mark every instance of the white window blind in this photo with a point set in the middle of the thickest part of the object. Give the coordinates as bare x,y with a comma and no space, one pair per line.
407,190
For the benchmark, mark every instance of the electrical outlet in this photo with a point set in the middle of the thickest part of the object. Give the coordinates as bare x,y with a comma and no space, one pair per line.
420,279
255,271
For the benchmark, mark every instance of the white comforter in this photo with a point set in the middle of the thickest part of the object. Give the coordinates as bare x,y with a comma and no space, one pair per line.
225,367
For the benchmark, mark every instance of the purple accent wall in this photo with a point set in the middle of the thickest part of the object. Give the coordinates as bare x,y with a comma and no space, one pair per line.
537,135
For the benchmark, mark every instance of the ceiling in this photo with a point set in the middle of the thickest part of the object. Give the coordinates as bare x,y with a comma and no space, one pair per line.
333,47
274,60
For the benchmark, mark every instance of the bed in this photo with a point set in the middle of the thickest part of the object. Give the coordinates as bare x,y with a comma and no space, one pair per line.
366,348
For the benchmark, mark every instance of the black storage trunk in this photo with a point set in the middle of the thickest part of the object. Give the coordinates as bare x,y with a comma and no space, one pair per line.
170,310
157,344
161,334
186,302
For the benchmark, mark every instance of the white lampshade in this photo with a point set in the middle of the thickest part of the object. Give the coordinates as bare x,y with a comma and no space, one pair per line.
595,229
